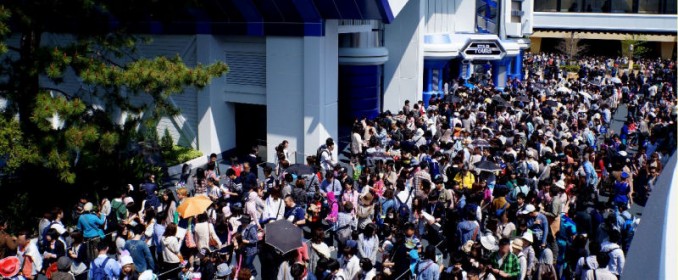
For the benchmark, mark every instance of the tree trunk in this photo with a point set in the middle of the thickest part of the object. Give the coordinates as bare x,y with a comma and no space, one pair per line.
28,82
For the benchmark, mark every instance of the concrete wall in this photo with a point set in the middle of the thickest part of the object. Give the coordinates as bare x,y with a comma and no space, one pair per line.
439,16
465,13
216,126
403,73
301,91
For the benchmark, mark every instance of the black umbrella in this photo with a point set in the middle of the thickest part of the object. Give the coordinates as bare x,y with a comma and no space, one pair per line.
522,98
300,169
499,100
487,166
283,235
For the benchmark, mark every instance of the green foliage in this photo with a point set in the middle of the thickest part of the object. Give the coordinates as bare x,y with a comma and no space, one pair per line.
180,154
639,43
16,149
166,143
570,68
71,136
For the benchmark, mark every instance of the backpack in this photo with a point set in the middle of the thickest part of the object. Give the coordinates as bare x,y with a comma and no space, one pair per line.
319,154
434,167
402,210
99,272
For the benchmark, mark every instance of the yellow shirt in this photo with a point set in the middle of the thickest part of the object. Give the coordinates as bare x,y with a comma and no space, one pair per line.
465,181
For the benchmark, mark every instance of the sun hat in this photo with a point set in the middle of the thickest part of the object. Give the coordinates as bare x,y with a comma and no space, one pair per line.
125,260
223,270
517,244
9,267
148,275
528,209
489,242
527,236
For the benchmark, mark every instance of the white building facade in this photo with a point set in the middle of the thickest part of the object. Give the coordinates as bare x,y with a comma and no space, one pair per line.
302,71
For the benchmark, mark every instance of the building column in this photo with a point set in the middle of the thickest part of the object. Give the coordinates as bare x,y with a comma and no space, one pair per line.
216,118
500,72
361,60
518,66
301,92
667,49
535,44
403,37
434,78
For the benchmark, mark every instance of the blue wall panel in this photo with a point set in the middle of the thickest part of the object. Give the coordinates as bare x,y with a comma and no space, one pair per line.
359,92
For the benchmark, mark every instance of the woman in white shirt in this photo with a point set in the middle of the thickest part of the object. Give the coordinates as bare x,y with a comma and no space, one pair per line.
171,247
368,243
203,232
273,207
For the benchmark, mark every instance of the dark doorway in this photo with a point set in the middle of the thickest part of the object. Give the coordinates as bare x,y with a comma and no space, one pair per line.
250,127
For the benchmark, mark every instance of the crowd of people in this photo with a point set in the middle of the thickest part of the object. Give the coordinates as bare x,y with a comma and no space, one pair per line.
526,183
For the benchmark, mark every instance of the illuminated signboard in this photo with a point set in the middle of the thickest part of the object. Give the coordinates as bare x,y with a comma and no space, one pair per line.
483,50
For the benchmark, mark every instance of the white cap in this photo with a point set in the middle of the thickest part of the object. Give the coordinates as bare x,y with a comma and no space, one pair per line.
88,207
125,260
528,209
560,184
128,200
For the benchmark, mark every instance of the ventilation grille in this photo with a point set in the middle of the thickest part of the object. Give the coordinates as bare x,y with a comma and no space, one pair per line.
246,69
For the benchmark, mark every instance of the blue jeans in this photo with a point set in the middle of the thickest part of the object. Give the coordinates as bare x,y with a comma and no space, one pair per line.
248,262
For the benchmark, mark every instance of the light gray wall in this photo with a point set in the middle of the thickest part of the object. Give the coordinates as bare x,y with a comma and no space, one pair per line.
301,91
403,72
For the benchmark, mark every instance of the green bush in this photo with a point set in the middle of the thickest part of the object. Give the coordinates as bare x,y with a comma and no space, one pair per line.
570,68
166,142
179,154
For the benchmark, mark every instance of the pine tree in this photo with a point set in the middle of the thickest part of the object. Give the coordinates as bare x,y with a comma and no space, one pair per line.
60,130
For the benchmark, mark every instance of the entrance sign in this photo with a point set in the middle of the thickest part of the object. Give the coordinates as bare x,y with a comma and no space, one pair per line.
483,50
